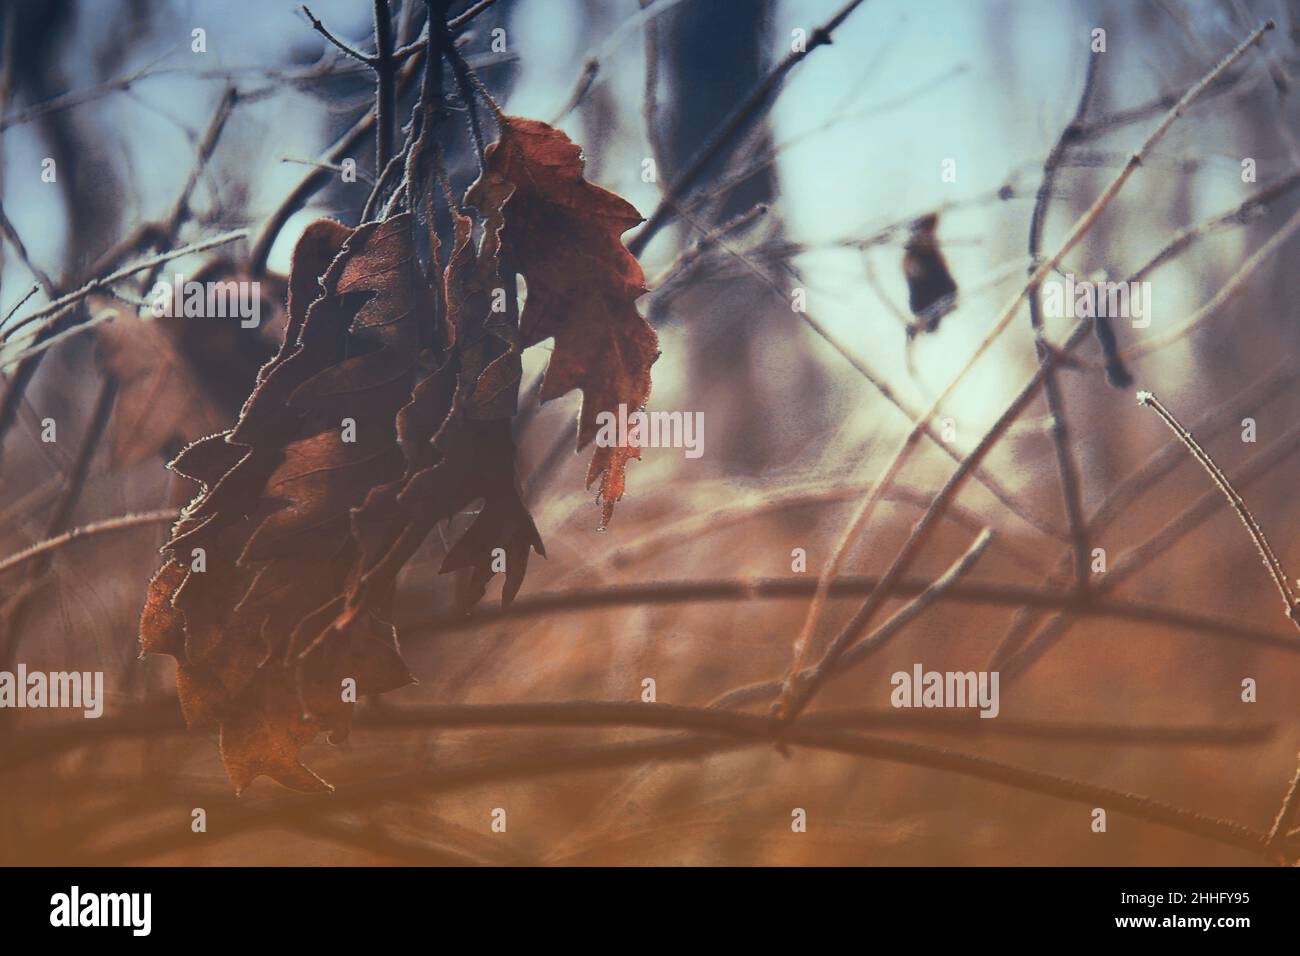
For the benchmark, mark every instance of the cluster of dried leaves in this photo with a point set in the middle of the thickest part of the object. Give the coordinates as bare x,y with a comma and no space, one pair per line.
301,534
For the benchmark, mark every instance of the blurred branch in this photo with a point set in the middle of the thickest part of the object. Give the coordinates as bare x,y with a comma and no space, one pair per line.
745,508
14,612
801,684
1066,467
11,234
741,116
1036,781
240,818
163,719
752,589
1226,292
650,101
53,310
170,227
372,838
591,63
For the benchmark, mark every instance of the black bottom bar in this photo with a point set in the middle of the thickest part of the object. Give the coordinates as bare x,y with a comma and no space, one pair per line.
331,906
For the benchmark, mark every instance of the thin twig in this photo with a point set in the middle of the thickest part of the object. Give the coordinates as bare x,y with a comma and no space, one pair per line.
1247,211
1286,813
11,234
746,590
171,226
347,50
106,526
457,25
591,63
19,304
808,681
66,101
1266,553
676,271
331,167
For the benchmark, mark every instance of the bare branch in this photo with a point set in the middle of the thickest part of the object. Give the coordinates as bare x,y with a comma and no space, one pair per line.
347,50
1266,553
106,526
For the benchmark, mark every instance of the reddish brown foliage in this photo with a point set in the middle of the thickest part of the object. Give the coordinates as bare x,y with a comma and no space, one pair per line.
389,408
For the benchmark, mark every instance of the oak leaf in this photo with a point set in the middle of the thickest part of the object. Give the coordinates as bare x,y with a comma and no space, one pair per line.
563,235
